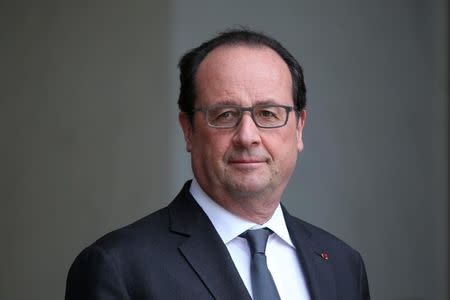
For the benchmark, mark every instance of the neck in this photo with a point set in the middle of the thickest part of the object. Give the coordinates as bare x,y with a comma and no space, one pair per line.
259,214
255,208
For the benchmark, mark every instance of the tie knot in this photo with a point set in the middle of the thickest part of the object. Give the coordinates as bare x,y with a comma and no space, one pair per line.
257,239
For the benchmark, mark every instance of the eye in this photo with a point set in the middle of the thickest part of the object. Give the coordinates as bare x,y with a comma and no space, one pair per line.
226,115
268,113
222,115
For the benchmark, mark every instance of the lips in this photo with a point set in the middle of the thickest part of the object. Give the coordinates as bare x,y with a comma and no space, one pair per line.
247,165
247,161
246,157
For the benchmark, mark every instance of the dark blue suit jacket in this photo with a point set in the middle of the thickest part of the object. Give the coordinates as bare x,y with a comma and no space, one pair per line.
175,253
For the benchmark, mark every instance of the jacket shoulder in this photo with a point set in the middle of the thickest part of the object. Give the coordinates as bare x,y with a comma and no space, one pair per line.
325,240
137,234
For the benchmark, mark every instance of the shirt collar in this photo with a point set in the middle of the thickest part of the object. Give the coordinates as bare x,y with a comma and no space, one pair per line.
230,226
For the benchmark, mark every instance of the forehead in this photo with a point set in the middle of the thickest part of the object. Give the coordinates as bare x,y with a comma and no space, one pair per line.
245,75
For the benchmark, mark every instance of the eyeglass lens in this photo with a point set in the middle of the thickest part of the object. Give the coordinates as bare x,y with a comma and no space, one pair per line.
229,116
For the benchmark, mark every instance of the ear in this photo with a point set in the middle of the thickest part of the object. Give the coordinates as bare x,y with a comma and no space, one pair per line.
300,126
186,126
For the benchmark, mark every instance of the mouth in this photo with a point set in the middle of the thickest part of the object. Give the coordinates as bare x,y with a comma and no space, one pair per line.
247,164
247,161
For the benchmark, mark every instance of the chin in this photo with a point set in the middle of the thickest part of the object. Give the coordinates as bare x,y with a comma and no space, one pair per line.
246,187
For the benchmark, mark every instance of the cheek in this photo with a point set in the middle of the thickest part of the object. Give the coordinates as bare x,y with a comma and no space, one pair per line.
288,154
210,147
283,149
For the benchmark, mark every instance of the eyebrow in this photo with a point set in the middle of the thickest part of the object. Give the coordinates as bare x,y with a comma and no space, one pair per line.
266,102
259,102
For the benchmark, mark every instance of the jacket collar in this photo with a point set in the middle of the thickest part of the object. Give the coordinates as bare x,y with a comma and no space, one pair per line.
203,248
314,260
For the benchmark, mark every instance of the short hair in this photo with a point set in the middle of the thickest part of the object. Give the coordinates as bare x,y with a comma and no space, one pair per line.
191,60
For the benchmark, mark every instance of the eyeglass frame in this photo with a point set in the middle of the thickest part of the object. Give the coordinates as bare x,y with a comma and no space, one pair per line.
250,109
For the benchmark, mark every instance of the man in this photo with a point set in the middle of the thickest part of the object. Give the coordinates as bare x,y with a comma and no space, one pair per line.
226,236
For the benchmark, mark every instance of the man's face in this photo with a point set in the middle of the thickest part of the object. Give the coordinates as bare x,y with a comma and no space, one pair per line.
245,161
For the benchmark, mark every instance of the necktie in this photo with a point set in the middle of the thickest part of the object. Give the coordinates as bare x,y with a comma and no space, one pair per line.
263,285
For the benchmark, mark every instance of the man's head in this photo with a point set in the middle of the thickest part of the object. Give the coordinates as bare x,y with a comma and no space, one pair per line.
242,159
190,62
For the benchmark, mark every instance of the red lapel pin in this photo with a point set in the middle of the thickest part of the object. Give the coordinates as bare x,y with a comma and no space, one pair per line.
324,255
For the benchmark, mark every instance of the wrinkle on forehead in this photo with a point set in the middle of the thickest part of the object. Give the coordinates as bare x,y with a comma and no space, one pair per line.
239,72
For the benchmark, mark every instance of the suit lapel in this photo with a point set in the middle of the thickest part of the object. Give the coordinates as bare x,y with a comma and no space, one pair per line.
315,263
204,250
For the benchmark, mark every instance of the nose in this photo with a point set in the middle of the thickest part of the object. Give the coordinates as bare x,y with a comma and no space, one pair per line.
247,133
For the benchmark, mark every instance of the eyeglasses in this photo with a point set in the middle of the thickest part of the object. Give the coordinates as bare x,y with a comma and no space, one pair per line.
229,116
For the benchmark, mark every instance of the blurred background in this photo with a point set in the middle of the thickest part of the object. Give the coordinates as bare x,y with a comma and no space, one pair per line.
90,139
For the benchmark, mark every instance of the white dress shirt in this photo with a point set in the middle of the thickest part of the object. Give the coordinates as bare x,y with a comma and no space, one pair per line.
282,259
